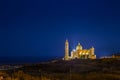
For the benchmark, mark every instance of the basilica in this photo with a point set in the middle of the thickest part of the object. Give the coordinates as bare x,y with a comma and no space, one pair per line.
79,52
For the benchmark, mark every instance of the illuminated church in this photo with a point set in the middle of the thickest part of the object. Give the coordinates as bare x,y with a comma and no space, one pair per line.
78,53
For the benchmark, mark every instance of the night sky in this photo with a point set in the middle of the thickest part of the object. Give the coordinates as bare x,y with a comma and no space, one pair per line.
39,28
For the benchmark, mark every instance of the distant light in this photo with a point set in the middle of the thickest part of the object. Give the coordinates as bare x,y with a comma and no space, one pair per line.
74,50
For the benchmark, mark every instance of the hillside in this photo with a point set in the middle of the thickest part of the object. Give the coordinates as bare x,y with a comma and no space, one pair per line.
101,69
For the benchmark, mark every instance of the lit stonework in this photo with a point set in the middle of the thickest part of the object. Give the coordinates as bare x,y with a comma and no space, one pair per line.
66,57
79,52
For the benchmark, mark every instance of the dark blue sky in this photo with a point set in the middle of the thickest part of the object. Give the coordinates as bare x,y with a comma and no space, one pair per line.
40,27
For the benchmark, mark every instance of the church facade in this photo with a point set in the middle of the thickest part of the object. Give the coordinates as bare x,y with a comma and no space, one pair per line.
78,53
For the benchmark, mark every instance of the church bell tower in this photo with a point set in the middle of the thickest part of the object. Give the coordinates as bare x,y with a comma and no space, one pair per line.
66,57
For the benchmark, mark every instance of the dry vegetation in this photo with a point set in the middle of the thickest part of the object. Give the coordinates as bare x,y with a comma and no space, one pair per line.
103,69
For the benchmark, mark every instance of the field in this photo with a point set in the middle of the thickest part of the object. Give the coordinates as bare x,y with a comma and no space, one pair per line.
100,69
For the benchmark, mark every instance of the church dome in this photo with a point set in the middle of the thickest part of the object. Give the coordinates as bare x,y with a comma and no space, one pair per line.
78,47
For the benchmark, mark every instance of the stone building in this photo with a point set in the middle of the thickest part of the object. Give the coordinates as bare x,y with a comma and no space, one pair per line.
79,52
